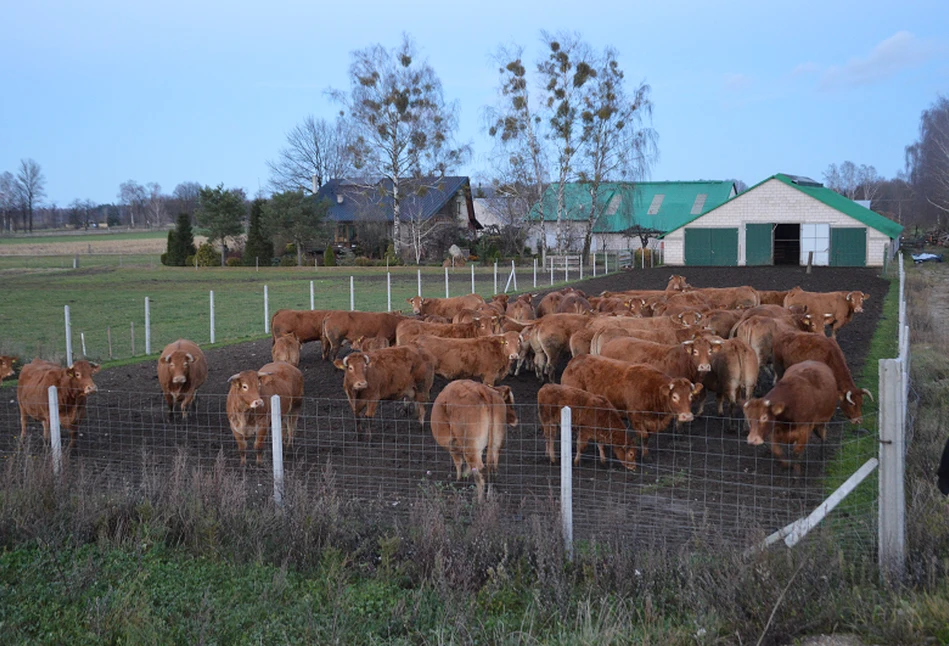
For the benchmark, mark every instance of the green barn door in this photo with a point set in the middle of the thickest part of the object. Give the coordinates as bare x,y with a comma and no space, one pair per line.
758,244
848,247
711,247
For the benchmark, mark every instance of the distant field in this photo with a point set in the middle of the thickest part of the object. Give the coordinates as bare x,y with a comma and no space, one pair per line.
132,243
104,298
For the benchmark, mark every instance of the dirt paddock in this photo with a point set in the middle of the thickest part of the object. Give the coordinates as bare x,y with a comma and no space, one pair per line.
700,481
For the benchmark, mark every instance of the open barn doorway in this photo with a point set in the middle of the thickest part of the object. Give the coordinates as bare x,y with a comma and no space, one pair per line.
787,244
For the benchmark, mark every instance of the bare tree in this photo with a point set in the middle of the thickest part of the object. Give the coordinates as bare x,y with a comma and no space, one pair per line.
400,122
133,196
868,181
30,187
842,179
316,151
82,213
519,134
155,207
186,196
614,142
8,199
927,162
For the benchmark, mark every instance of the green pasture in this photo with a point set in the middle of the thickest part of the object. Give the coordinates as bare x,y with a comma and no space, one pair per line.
11,264
107,300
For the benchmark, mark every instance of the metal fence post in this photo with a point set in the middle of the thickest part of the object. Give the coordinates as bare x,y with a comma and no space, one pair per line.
352,294
148,327
212,316
388,291
446,282
419,282
55,436
535,273
892,504
266,311
472,280
312,297
514,275
495,276
566,479
276,435
68,336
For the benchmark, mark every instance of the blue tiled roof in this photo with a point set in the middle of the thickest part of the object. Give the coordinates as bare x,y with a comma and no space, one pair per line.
423,198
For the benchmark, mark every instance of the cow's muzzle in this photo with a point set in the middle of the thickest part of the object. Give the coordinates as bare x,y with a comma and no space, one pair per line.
685,417
179,379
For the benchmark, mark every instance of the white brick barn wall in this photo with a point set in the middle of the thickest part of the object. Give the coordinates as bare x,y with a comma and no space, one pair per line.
773,202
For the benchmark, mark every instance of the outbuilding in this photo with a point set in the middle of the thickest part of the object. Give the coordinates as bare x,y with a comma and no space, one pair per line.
784,220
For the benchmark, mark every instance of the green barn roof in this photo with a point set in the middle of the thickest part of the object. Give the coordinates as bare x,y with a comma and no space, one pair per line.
662,206
832,199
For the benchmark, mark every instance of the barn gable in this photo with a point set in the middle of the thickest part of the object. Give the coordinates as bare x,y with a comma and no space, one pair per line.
784,219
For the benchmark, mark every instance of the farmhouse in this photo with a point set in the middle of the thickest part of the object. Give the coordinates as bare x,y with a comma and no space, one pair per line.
625,213
784,220
427,201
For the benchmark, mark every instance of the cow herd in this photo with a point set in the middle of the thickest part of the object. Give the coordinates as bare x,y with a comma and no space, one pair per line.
634,362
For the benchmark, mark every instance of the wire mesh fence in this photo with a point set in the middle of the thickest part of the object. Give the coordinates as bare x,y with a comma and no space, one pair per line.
701,483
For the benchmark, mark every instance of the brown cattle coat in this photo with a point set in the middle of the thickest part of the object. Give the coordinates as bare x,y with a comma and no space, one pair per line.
182,368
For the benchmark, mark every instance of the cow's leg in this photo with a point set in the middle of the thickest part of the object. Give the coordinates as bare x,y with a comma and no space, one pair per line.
241,445
549,430
601,445
46,429
23,419
259,444
582,441
186,403
170,400
292,417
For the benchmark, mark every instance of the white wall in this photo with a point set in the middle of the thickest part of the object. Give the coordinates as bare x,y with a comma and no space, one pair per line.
773,202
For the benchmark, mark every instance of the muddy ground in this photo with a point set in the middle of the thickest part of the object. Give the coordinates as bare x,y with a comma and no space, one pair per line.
700,482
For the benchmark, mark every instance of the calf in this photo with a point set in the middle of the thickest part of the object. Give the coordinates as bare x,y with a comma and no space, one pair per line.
73,385
248,404
387,374
486,358
286,348
467,418
650,398
801,402
339,326
182,368
794,347
593,418
6,367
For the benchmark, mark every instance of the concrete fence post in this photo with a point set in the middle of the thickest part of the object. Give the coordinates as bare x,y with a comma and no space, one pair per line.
352,294
312,297
266,310
55,435
892,495
388,291
535,273
495,276
212,316
276,436
419,282
566,479
148,327
446,282
472,280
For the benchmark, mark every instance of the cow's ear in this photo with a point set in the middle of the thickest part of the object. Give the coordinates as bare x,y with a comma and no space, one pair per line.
689,342
777,408
697,388
365,358
190,357
233,377
828,316
95,367
671,386
340,363
166,358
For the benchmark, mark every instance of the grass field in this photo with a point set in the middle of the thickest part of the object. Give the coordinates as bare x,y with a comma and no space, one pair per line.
111,297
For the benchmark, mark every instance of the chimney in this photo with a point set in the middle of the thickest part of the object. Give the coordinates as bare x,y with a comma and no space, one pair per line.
316,189
339,198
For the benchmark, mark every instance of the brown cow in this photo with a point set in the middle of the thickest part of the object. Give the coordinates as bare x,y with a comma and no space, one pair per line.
720,322
342,325
409,330
690,359
601,337
522,310
593,418
549,304
793,347
487,358
573,303
6,367
446,307
286,348
366,344
729,298
772,297
550,338
734,373
759,333
73,384
835,309
467,418
248,404
387,374
182,368
306,325
649,398
800,403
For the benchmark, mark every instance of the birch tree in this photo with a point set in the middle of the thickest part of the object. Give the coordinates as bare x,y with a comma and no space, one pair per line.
927,162
615,143
401,125
135,198
30,187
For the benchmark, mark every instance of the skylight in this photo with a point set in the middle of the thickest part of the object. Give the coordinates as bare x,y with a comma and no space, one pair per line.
656,203
699,204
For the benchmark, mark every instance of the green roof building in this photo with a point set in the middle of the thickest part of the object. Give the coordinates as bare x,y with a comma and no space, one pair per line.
784,220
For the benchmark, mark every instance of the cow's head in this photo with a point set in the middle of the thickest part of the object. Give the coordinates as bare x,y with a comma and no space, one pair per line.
851,403
681,392
855,300
760,414
178,363
417,303
6,367
80,376
286,348
513,344
355,365
809,323
688,318
626,455
245,387
677,284
488,325
508,397
700,349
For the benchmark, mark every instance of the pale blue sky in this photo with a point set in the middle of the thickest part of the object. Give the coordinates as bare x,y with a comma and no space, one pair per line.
102,92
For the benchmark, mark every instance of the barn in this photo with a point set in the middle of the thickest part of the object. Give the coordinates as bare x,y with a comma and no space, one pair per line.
784,220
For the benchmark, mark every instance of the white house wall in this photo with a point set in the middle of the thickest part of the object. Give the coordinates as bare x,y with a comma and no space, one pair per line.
773,202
